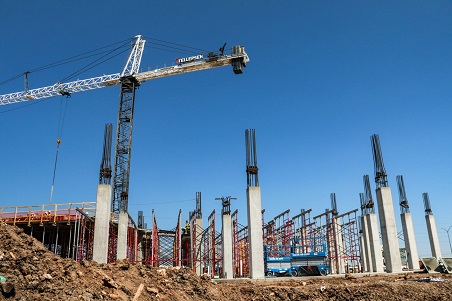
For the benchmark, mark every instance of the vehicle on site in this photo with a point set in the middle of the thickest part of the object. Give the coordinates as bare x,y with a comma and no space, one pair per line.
301,257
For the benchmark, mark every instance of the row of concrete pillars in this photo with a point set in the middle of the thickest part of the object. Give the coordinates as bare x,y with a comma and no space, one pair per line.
373,259
101,232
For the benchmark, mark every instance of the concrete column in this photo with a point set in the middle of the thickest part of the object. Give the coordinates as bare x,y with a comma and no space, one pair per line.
140,250
374,243
365,251
362,254
391,252
226,232
433,236
123,225
340,246
102,223
256,243
412,256
198,252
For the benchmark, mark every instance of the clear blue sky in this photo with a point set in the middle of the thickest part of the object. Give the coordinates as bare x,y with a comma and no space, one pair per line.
323,77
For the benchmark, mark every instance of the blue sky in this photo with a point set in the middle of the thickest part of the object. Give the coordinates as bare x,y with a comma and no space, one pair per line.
323,77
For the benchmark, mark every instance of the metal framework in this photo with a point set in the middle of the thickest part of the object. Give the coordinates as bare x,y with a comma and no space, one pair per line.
427,207
195,250
112,242
302,229
105,165
212,254
323,228
349,250
240,248
252,171
403,201
381,178
65,229
115,79
133,62
369,205
121,178
226,204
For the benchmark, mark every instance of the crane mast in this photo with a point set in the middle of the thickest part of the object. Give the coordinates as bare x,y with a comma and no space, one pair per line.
129,79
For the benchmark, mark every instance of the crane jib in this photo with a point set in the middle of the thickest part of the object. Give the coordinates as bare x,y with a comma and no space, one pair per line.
237,59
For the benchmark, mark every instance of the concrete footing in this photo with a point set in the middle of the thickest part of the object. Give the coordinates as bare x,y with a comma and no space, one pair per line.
410,241
102,224
391,252
256,244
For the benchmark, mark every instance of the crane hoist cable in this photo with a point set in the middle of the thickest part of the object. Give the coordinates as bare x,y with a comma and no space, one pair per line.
61,120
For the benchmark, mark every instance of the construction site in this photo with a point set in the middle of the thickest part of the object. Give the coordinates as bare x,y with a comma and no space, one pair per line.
96,250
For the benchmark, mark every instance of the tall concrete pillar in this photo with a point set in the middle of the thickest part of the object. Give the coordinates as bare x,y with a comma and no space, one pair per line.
256,243
374,243
388,230
123,225
433,235
226,232
365,250
102,223
410,241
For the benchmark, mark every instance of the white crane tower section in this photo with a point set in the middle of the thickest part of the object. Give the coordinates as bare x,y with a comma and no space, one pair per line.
133,63
238,59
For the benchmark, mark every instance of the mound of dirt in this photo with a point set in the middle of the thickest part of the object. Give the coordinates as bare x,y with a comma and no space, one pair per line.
34,273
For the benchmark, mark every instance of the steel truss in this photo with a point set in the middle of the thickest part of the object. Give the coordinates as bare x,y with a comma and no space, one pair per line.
350,250
160,248
212,254
240,247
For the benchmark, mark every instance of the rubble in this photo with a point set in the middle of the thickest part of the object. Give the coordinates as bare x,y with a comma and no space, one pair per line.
32,272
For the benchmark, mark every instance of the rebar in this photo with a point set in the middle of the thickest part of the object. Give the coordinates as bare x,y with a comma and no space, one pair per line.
403,201
251,159
105,165
428,208
380,173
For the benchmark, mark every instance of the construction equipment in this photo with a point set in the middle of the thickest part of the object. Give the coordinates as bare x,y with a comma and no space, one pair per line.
129,79
301,257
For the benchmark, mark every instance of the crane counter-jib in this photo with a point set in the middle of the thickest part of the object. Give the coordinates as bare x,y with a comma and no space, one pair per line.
237,60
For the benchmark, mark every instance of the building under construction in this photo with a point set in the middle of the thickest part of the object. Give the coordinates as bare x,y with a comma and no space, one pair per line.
69,230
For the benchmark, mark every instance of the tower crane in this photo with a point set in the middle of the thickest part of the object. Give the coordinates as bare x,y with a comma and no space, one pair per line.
129,79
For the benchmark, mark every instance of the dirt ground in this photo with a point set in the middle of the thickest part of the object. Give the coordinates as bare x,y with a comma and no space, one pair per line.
34,273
